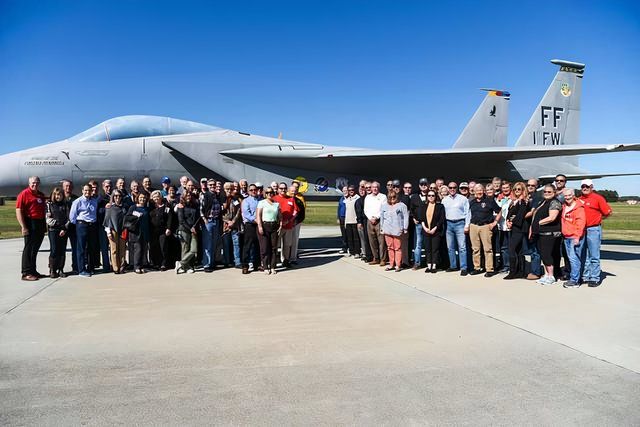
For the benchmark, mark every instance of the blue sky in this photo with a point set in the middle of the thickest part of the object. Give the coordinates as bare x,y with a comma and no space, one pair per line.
361,73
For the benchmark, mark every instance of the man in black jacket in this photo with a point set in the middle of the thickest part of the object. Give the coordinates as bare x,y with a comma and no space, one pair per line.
417,206
363,189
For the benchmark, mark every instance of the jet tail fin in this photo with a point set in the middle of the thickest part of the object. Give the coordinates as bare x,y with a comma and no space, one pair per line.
488,125
556,119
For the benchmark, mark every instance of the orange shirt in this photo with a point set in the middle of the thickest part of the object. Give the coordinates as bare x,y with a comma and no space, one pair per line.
573,220
595,207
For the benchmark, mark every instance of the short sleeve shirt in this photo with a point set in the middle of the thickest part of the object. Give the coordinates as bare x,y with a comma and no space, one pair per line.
269,210
31,204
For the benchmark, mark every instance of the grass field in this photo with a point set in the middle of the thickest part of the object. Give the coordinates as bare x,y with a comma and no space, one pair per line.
624,225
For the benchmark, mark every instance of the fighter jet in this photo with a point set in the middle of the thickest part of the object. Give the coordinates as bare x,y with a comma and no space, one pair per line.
137,146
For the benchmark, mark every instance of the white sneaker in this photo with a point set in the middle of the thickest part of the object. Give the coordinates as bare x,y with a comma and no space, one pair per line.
191,270
179,268
273,271
267,271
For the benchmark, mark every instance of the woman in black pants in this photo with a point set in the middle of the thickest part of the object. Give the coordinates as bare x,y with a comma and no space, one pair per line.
433,226
139,233
269,222
57,221
546,223
161,217
516,224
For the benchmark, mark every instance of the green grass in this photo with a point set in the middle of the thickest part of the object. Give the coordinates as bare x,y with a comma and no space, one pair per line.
623,225
9,227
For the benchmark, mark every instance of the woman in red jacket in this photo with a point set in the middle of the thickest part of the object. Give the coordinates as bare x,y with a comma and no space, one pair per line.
573,225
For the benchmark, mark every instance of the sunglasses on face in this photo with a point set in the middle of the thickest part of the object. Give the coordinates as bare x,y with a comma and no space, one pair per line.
453,187
585,186
531,185
423,184
548,192
561,180
431,195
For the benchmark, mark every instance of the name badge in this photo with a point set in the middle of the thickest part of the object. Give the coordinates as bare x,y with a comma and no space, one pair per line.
236,203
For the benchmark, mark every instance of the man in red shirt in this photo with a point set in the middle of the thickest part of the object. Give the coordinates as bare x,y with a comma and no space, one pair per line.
289,212
30,212
596,208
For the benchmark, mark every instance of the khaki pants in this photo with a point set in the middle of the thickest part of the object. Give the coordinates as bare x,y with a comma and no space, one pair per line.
118,250
480,236
296,239
376,242
286,241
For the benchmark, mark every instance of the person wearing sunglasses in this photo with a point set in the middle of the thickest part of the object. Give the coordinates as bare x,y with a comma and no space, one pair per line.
483,222
546,232
516,226
250,241
289,212
364,188
458,216
573,229
351,222
372,206
113,226
560,183
394,222
269,223
596,209
432,223
530,245
417,207
504,200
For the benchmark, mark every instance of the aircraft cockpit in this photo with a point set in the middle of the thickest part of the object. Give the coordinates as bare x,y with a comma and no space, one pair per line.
139,127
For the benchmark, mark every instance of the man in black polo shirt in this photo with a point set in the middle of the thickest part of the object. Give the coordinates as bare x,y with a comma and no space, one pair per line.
481,229
418,209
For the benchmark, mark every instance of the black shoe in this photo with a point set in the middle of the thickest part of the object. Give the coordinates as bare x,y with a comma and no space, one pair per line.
509,277
245,270
463,272
163,268
208,270
593,284
489,274
449,270
428,270
475,272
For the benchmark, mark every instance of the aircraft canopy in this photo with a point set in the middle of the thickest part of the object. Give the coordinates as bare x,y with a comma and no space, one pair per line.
139,126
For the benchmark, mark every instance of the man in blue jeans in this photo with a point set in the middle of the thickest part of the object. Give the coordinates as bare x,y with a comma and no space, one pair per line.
417,207
84,213
456,208
530,246
596,209
210,211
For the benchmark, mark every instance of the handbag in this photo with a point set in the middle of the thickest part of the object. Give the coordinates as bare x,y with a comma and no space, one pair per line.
131,223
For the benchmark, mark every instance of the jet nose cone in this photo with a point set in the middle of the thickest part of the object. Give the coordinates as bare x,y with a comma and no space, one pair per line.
9,176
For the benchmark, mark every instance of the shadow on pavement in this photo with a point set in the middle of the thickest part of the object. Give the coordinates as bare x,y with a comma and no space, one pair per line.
619,256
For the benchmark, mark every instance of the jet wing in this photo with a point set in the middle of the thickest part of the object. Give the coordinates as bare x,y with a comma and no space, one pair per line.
362,161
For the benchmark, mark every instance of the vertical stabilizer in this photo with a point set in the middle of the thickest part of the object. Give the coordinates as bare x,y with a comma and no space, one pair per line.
556,119
488,126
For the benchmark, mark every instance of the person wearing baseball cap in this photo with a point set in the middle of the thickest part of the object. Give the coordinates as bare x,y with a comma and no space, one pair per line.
166,183
418,209
596,209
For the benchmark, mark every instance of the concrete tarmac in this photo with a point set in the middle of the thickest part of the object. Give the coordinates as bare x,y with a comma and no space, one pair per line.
332,341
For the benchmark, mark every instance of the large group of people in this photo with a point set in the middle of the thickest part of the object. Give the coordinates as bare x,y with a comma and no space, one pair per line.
478,228
470,227
115,229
